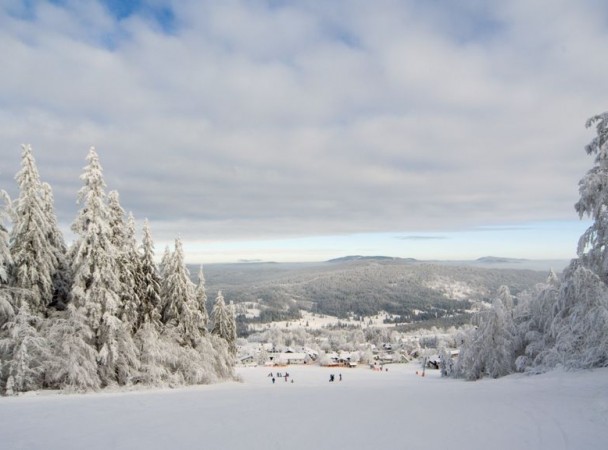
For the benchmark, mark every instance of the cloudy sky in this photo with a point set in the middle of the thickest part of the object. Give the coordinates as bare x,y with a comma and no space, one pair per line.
306,130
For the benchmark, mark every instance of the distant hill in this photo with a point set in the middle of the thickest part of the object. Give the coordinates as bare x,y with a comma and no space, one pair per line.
410,290
498,260
369,258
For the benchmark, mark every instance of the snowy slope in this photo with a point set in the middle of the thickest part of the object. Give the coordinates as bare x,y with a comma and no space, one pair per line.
367,410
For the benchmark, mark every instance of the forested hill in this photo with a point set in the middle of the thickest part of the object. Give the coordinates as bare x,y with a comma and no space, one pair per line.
408,289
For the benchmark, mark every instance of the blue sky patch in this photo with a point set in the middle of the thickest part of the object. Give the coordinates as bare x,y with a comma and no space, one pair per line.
161,15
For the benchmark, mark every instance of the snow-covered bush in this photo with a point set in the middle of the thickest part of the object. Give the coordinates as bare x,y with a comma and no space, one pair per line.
72,365
490,348
23,353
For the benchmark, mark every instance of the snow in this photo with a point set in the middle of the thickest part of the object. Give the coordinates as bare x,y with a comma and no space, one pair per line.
315,321
367,410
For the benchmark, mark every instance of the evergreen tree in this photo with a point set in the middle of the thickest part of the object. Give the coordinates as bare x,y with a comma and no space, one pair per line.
231,336
96,285
123,240
93,255
162,272
150,282
6,303
61,276
219,316
165,261
34,259
224,324
593,202
180,310
201,300
579,329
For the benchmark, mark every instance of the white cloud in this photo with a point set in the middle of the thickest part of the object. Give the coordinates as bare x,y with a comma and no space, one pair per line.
257,119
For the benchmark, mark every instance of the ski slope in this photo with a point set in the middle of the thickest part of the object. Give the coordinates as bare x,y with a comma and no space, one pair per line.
394,409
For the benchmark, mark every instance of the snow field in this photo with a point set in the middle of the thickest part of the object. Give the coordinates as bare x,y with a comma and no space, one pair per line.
367,410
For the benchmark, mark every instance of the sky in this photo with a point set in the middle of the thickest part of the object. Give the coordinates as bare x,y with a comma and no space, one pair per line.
303,131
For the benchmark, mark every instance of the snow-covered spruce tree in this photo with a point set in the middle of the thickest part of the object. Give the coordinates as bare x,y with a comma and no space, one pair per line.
568,324
197,358
23,353
164,261
96,285
232,335
61,276
223,322
201,300
180,309
133,258
73,364
157,354
579,329
123,240
578,333
150,288
34,259
490,348
162,272
593,202
6,303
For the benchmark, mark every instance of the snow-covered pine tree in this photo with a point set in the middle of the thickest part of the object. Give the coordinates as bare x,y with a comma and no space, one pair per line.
232,335
123,239
6,304
23,353
96,285
61,276
180,309
34,259
578,333
150,288
157,354
135,266
223,322
593,202
164,261
201,300
219,316
579,329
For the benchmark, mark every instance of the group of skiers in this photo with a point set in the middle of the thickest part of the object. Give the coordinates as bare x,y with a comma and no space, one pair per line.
280,375
285,376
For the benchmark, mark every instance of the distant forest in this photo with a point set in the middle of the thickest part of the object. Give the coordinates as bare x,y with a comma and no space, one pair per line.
410,291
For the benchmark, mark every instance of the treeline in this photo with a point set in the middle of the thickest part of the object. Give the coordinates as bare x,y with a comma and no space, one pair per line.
100,312
411,291
562,322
